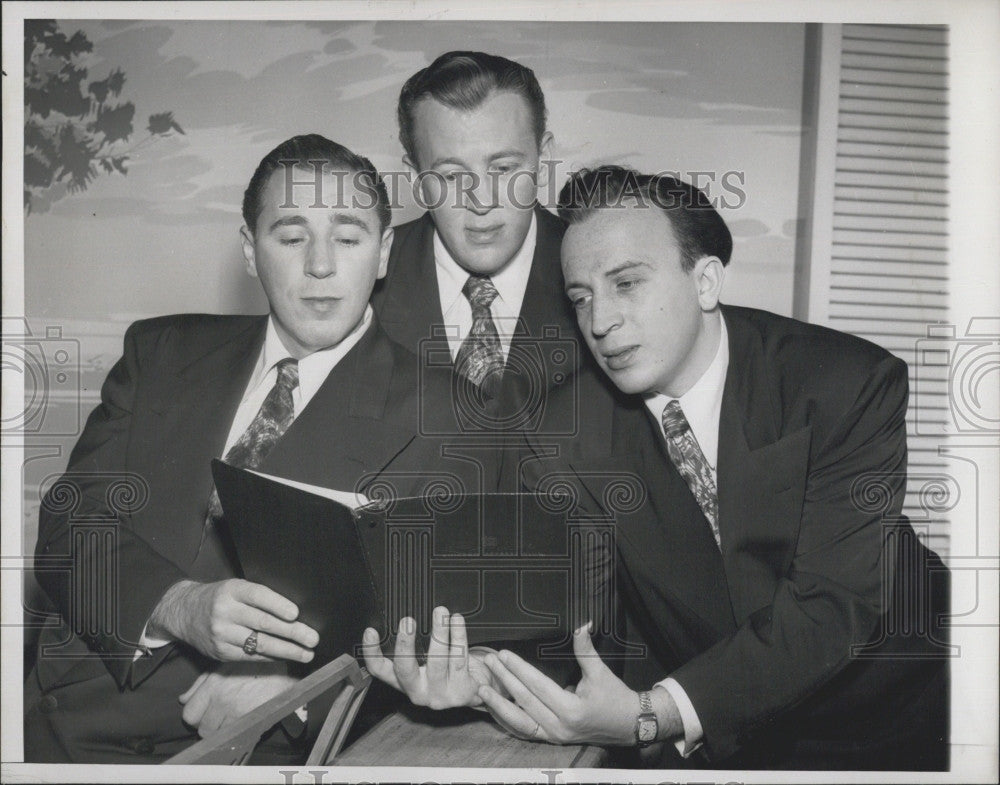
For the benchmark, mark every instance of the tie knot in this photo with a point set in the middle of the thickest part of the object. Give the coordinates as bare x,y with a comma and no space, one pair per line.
675,424
480,291
288,373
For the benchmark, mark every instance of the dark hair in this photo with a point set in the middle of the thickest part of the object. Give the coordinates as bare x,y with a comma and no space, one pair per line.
699,229
463,80
303,150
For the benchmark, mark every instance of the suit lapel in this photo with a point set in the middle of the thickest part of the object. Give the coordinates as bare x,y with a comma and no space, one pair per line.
200,400
761,478
192,409
347,430
545,304
665,541
673,542
411,305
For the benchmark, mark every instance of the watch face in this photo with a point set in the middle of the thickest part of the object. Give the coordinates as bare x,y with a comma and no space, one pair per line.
647,730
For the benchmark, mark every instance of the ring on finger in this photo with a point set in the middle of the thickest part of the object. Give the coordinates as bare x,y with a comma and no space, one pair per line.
534,730
250,644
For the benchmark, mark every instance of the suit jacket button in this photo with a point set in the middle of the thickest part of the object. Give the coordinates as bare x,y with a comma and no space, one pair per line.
48,704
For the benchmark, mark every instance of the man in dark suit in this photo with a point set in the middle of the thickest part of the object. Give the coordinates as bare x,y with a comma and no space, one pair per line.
790,616
479,272
315,392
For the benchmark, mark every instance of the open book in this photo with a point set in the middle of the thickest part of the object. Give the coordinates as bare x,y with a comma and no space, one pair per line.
511,566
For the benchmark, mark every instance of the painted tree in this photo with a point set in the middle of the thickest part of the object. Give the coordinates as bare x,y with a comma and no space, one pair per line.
74,130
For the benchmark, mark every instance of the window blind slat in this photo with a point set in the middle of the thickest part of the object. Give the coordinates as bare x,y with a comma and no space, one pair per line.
888,271
928,34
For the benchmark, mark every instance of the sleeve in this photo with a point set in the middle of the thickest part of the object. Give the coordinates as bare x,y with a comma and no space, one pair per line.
691,740
129,574
832,596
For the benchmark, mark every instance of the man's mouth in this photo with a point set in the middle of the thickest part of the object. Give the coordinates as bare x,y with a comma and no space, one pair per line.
321,304
483,235
619,358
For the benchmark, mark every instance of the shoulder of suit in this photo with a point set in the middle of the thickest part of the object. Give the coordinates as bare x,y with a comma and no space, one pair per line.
809,351
194,329
550,223
406,233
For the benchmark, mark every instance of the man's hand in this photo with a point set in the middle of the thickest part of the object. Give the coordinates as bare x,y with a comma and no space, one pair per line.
601,709
452,677
216,619
220,697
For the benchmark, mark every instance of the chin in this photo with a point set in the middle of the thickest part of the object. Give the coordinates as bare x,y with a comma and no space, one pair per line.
323,340
629,381
490,263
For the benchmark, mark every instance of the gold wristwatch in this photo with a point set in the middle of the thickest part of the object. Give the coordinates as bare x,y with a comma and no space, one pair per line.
646,725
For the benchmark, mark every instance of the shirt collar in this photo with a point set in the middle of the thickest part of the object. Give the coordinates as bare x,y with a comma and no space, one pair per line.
511,282
702,404
313,368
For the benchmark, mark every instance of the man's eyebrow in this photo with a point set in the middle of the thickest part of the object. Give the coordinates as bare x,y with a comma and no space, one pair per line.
631,265
438,162
347,219
288,220
511,153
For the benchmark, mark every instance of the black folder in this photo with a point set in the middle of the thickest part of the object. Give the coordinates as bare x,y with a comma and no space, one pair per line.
503,560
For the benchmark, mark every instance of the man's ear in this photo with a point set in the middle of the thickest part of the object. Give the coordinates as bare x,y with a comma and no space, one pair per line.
410,164
386,246
709,275
247,241
544,159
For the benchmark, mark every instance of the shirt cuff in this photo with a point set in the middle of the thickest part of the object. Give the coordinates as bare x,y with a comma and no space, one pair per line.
693,732
147,642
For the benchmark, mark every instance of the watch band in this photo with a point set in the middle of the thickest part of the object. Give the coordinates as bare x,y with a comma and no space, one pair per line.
646,725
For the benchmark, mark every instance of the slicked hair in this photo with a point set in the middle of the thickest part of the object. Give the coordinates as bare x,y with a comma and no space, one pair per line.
699,229
463,81
302,150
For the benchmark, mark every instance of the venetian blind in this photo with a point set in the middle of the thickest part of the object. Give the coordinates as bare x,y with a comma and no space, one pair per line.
879,266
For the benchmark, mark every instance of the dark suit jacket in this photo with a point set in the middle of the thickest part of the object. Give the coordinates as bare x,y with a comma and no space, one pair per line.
815,557
544,355
166,410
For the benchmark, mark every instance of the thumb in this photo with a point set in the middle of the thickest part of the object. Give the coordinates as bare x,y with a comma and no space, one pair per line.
186,696
586,654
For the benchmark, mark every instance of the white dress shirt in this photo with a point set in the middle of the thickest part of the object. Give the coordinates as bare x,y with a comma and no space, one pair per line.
702,406
313,370
511,283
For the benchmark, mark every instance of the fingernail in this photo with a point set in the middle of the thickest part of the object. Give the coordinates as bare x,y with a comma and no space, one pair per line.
369,635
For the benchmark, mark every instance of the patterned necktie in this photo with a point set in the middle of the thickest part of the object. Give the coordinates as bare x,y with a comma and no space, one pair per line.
691,463
480,358
270,422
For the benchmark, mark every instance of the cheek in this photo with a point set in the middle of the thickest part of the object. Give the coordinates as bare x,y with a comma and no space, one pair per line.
447,220
434,193
520,192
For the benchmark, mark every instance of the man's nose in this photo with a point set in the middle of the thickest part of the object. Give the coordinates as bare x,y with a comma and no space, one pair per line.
605,316
321,262
480,192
